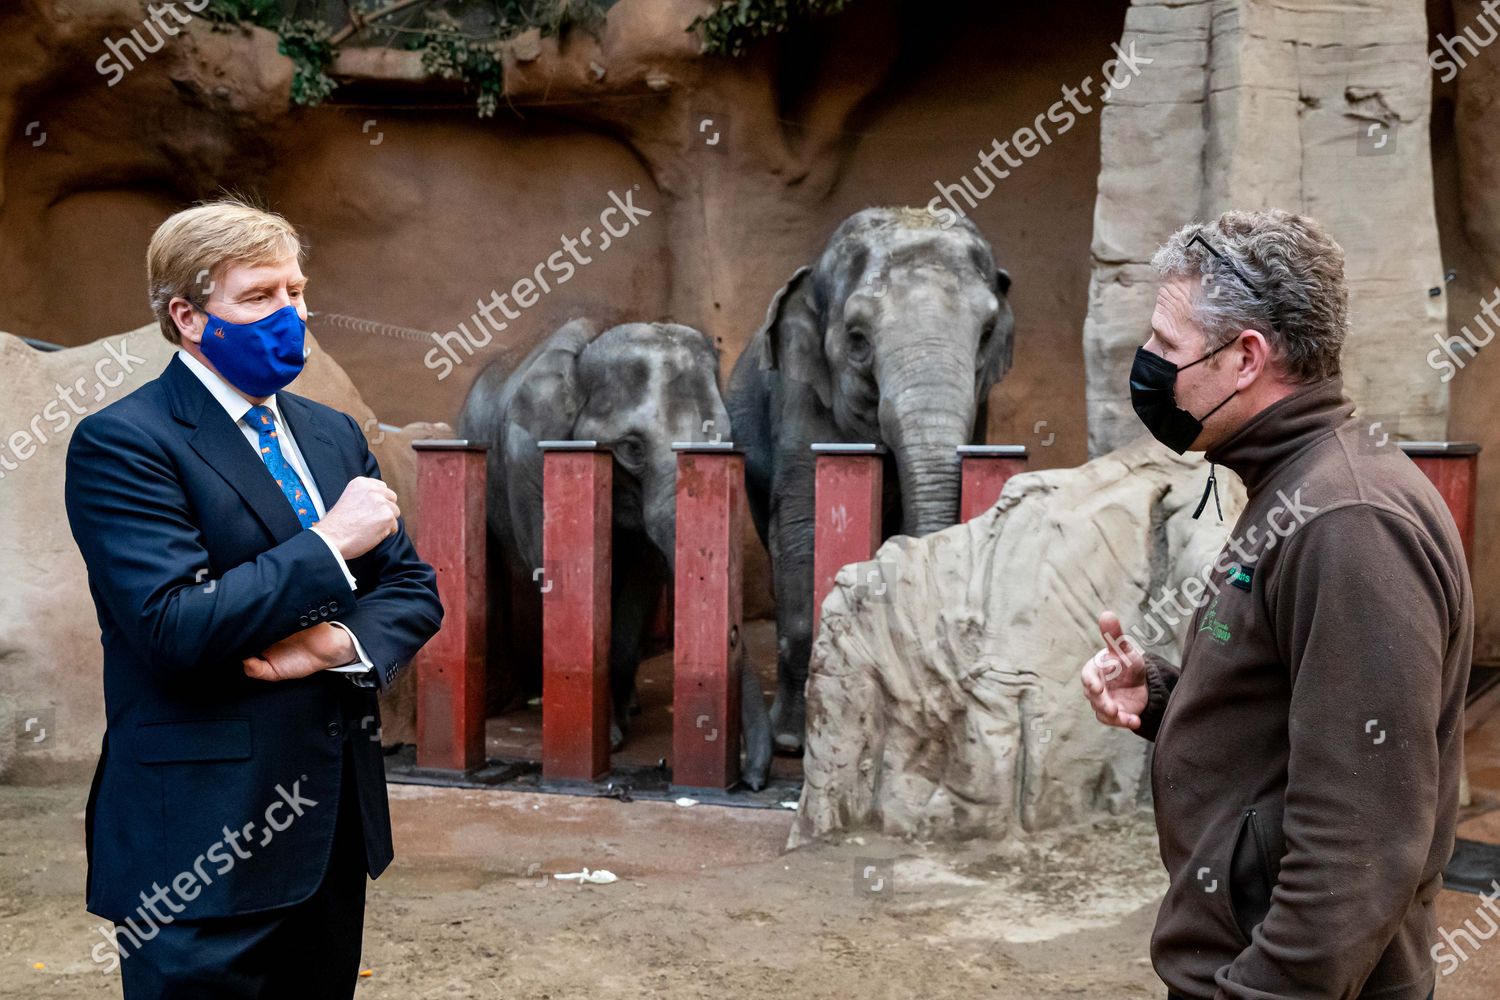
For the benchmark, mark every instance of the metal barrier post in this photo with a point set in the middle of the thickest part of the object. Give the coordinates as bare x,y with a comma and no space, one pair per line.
707,615
847,512
450,668
577,484
1453,467
986,469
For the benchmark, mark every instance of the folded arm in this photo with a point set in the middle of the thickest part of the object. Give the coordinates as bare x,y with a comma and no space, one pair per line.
398,609
148,564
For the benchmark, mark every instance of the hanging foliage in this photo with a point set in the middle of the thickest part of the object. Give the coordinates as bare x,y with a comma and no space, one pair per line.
458,39
736,23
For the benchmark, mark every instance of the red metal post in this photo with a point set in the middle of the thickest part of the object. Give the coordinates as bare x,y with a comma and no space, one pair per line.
707,616
847,517
450,669
577,479
986,468
1453,467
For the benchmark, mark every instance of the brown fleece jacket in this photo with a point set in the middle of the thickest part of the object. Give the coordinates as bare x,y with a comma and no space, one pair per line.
1308,751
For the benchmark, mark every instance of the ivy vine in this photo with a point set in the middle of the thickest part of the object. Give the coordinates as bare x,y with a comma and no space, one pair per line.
458,39
734,24
462,39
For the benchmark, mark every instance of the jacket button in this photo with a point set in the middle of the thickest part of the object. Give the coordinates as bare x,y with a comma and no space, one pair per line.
334,729
333,605
303,621
323,611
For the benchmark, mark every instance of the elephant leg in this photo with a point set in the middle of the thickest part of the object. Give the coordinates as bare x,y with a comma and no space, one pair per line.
755,726
794,634
637,579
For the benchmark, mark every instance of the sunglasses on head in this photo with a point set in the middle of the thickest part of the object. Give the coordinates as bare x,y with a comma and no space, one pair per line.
1198,238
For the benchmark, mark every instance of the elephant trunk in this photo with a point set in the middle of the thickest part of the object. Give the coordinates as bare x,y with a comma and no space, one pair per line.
659,504
926,411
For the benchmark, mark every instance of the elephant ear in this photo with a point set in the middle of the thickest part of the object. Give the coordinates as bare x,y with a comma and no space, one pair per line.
546,394
791,339
995,355
543,399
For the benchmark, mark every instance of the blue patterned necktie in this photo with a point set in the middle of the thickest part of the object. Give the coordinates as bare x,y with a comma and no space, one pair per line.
263,422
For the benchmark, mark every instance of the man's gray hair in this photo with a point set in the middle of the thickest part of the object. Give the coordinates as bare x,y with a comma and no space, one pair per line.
1284,277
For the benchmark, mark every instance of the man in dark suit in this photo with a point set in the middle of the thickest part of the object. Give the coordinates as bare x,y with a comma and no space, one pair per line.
255,589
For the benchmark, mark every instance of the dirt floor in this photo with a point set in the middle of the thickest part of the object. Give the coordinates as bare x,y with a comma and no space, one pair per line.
707,904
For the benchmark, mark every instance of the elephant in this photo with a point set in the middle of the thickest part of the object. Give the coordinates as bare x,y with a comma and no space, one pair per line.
636,389
893,336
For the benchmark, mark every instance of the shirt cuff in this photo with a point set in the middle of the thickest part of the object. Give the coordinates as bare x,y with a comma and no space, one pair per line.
339,556
365,664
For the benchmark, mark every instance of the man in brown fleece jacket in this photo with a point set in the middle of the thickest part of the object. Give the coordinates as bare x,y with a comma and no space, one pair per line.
1309,748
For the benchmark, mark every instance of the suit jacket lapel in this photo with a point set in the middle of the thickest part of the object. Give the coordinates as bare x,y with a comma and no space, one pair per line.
224,448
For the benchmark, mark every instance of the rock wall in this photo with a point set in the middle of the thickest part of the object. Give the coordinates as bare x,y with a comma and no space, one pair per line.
946,702
416,209
1319,107
50,658
1249,117
1466,124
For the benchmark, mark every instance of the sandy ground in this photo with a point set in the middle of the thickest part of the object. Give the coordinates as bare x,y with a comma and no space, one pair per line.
707,906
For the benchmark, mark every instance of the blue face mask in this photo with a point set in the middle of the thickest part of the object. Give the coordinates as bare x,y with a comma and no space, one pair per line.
256,358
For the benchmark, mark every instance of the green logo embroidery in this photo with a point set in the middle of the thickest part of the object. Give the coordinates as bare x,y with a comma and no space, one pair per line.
1216,629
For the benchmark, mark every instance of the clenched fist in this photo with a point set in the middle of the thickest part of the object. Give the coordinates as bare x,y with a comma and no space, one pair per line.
1114,679
363,518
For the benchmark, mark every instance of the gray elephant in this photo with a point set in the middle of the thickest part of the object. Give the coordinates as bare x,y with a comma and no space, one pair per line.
895,337
636,388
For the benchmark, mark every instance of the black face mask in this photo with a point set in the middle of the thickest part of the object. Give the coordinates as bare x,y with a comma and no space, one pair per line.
1153,393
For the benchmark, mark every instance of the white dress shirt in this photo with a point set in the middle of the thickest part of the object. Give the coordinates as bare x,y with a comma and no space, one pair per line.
237,406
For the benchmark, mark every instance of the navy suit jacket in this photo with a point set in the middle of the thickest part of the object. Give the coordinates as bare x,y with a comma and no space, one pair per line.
214,793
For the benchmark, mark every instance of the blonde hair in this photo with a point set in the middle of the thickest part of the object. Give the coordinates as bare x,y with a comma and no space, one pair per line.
189,251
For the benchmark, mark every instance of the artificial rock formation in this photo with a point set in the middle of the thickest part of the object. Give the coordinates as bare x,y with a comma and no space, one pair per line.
49,637
946,702
1322,108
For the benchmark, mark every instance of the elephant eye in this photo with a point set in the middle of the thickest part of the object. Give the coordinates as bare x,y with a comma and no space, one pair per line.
630,451
859,347
986,333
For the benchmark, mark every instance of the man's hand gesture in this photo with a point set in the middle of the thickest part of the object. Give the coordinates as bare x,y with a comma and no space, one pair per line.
1114,679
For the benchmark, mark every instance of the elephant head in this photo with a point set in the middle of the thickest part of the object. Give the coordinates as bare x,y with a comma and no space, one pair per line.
900,329
636,389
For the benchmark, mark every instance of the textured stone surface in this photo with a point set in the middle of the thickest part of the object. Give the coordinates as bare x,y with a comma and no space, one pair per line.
1254,105
949,705
49,637
417,209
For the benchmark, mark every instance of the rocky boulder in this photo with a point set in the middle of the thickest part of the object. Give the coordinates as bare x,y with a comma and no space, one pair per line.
946,702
